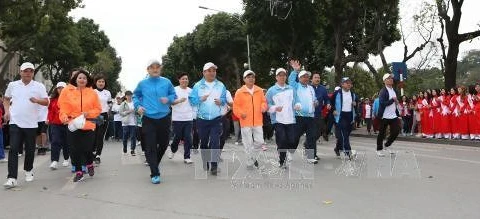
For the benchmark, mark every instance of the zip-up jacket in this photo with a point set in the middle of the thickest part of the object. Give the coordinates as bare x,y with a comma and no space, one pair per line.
208,110
53,116
250,105
148,94
303,95
278,96
73,102
338,98
384,100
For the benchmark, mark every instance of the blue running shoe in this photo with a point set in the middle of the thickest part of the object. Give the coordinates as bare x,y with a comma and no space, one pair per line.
156,180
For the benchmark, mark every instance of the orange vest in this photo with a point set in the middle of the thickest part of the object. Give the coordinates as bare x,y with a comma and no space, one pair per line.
249,105
72,102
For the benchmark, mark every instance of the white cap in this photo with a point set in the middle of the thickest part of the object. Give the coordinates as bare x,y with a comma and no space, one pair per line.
385,76
302,73
152,62
209,65
27,65
77,123
280,70
61,84
248,72
337,88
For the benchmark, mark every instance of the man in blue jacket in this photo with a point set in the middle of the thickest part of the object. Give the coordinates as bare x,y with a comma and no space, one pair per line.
152,99
344,113
209,95
388,115
323,100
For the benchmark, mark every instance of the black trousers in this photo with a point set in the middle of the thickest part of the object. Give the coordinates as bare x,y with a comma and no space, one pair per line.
225,130
394,131
157,136
81,147
285,139
369,124
100,135
19,136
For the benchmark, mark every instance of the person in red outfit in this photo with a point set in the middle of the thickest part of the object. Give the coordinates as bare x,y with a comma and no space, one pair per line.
472,121
419,108
454,116
427,116
444,127
436,113
462,111
58,130
476,110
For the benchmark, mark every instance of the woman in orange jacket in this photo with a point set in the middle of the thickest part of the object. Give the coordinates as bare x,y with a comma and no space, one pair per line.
76,100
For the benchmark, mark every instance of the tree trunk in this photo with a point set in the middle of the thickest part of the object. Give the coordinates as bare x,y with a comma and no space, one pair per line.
339,54
237,72
451,66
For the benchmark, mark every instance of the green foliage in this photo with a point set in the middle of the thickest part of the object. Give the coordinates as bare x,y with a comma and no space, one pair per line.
43,33
364,84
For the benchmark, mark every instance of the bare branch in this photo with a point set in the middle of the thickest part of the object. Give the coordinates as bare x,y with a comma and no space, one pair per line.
370,67
440,39
442,10
468,36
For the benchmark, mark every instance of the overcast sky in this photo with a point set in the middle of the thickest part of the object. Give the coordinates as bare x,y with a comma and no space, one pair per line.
143,29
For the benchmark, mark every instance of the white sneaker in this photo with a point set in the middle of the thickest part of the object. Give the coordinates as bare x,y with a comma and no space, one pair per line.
380,153
170,155
29,176
289,156
143,153
313,161
66,163
188,161
20,155
390,151
4,160
11,183
53,165
236,143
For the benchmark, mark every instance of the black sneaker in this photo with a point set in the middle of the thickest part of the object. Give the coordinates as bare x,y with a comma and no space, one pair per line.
90,170
78,177
283,166
97,159
337,152
255,164
317,158
214,171
42,151
132,153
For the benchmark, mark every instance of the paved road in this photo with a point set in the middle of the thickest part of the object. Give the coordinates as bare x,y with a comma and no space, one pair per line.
420,181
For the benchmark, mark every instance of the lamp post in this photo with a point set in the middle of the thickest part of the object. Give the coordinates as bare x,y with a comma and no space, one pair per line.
243,23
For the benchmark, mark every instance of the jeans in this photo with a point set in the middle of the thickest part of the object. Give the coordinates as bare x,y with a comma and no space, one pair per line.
118,130
209,132
129,132
19,136
157,135
182,130
342,131
59,142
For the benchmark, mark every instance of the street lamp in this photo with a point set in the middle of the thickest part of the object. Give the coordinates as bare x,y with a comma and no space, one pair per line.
243,23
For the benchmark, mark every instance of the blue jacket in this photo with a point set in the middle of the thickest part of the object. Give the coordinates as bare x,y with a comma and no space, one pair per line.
322,98
384,101
338,97
208,110
283,95
148,94
302,94
376,105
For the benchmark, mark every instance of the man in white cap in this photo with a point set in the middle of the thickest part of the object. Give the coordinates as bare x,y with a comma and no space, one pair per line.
26,95
344,112
305,102
388,114
152,99
248,105
282,115
208,96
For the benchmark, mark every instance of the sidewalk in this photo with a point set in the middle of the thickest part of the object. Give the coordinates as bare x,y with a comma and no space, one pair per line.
362,132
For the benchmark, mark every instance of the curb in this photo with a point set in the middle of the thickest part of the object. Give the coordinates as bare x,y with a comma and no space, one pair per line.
467,143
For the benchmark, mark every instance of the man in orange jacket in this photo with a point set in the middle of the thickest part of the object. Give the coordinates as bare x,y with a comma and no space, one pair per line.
248,105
